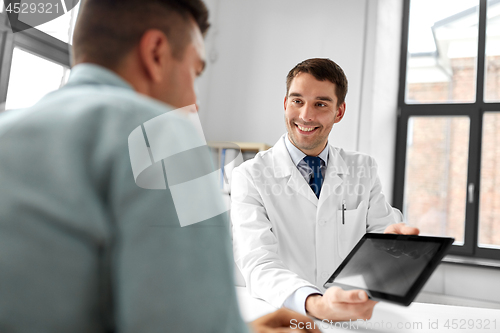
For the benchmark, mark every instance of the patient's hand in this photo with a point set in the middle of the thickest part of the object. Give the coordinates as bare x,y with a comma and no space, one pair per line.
283,320
401,229
340,305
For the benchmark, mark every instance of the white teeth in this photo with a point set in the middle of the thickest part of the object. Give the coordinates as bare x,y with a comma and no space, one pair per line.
306,129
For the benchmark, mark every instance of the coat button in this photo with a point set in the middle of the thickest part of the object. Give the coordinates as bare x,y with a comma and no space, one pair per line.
325,275
322,223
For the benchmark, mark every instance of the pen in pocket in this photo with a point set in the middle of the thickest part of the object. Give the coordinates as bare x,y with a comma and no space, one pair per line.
343,211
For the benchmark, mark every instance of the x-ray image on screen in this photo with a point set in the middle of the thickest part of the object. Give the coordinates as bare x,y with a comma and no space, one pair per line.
387,266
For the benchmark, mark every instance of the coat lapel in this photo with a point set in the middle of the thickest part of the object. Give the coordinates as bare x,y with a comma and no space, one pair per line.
334,175
284,167
299,185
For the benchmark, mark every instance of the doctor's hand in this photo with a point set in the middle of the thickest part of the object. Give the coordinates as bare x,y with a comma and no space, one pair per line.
340,305
284,320
401,229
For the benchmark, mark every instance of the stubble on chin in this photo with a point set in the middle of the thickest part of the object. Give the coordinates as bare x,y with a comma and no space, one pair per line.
302,147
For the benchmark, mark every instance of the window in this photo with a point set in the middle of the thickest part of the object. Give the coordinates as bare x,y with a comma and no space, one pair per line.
489,202
32,74
447,179
34,61
442,51
492,79
436,175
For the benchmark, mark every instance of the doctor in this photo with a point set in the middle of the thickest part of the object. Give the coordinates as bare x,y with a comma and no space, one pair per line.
301,206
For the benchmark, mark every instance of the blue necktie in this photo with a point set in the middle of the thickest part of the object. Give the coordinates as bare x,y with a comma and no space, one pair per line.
317,178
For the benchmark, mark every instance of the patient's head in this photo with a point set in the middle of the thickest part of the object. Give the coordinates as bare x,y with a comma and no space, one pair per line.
107,30
155,45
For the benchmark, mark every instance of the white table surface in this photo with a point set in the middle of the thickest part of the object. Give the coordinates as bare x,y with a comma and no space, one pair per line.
418,317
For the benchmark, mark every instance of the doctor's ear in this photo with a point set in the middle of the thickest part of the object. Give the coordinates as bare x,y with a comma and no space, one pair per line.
340,112
284,103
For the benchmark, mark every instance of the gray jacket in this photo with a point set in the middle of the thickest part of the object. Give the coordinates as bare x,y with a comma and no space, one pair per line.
82,247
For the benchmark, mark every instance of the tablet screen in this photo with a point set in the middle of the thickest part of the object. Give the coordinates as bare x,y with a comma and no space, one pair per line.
388,266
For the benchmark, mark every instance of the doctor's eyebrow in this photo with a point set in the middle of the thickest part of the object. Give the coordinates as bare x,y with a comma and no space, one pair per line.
324,98
319,98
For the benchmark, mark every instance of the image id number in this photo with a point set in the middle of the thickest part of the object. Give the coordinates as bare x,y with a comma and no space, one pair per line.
469,324
32,8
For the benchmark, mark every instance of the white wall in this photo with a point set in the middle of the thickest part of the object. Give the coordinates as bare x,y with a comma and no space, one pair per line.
252,47
378,115
474,283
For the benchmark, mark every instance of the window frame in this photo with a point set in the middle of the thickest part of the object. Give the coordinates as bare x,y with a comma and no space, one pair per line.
475,113
31,40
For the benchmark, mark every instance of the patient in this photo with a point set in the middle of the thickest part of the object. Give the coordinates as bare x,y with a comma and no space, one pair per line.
82,247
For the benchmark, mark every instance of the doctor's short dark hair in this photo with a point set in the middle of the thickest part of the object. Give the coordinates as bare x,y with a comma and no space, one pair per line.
322,69
107,30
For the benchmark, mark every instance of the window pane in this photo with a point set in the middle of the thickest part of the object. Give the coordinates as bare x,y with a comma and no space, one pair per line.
489,200
61,28
442,51
492,84
31,77
436,175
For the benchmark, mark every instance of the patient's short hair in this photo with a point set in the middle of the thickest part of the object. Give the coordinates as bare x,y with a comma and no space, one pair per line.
107,30
321,69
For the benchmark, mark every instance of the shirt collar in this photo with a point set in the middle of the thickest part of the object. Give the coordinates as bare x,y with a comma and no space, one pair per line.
88,73
297,155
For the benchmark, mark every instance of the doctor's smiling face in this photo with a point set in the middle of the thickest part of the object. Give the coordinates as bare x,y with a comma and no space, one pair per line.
311,109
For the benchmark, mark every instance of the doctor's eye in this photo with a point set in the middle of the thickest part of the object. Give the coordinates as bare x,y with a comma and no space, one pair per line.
296,101
321,104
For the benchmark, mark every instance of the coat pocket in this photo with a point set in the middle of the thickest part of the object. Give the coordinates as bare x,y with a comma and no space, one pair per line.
351,228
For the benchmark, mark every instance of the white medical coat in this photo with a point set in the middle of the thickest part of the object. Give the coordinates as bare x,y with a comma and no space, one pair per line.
284,237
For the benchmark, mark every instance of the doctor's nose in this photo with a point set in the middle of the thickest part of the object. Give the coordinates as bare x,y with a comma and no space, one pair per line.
307,113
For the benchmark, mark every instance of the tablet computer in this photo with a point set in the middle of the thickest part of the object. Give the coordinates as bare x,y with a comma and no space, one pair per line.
390,267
